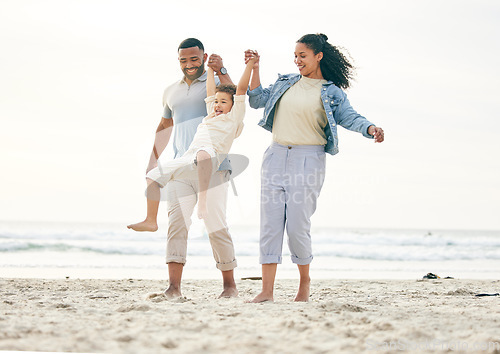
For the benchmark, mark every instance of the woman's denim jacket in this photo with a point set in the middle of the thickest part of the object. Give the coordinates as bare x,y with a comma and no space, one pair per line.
337,108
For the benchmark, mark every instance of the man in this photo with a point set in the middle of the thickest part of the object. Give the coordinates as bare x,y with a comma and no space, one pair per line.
184,109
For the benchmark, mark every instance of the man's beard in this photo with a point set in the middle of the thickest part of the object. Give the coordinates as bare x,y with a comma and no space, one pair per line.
197,73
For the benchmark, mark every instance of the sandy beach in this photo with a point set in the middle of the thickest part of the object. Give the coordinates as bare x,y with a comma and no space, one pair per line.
116,316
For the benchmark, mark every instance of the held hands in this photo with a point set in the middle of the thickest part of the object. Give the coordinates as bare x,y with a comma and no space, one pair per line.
377,133
252,56
215,63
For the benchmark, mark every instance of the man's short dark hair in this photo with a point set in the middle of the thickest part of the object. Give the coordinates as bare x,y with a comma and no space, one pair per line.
191,42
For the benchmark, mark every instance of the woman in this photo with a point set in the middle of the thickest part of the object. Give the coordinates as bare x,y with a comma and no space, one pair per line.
302,112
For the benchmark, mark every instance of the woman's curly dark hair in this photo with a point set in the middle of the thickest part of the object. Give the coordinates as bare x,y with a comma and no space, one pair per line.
227,88
334,66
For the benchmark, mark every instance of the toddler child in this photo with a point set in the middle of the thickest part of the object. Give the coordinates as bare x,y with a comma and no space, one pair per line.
210,146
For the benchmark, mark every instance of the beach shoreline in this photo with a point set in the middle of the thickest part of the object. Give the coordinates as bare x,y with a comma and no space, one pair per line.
324,268
97,315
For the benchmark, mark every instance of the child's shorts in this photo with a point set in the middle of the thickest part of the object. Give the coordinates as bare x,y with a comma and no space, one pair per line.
184,167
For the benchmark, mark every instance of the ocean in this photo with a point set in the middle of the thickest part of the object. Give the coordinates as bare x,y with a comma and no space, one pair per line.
111,251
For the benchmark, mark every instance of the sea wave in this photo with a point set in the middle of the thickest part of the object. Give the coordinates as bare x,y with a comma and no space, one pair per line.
382,245
202,248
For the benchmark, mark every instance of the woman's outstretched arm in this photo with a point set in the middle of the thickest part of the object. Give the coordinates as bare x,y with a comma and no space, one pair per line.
257,96
255,69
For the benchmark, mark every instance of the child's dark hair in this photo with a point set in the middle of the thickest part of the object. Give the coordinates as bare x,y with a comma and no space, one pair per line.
227,88
334,66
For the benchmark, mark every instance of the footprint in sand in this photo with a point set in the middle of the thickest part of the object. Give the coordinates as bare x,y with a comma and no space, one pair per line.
352,308
129,308
160,297
62,306
460,292
169,344
125,339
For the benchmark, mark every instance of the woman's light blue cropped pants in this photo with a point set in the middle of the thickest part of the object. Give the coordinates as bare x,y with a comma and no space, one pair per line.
291,181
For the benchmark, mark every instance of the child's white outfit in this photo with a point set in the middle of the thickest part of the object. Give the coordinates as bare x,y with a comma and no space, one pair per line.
215,135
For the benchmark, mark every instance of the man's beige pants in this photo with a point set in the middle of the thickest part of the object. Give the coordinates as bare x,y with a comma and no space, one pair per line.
182,196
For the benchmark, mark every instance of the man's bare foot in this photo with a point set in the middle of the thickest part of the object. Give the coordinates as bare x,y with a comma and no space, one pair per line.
202,209
304,292
229,292
146,225
262,297
173,293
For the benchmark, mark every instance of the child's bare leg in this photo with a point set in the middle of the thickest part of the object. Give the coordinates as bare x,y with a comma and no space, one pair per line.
153,203
268,276
204,162
305,281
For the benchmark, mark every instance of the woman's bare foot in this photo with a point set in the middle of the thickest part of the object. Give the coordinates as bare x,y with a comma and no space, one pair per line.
229,292
262,297
202,209
172,293
146,225
304,292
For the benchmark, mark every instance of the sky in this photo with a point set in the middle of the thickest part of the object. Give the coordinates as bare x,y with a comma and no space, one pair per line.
81,84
